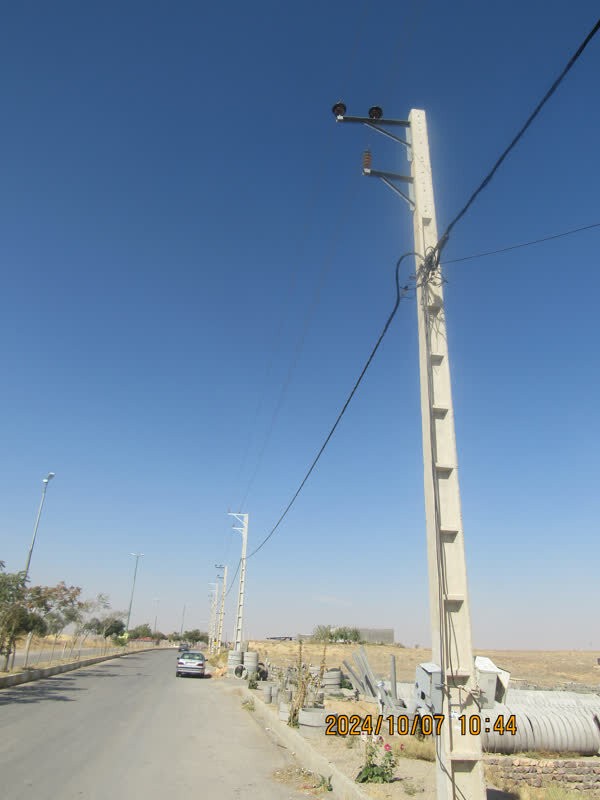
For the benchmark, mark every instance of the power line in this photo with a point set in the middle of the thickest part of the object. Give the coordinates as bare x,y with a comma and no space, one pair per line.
433,257
325,268
400,293
431,262
231,582
523,244
418,9
284,314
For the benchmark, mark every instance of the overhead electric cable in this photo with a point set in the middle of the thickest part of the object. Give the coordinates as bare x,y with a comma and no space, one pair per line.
433,257
400,293
284,308
325,268
523,244
404,45
231,582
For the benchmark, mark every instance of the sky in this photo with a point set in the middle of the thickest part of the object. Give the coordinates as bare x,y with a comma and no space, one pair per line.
194,272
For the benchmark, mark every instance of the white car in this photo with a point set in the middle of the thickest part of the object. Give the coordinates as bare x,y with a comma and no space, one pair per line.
191,662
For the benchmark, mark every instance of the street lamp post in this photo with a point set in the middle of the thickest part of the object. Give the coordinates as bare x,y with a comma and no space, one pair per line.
45,482
37,522
137,558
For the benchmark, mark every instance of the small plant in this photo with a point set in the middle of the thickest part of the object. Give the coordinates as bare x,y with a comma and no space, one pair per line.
375,770
325,783
248,705
346,684
409,789
253,683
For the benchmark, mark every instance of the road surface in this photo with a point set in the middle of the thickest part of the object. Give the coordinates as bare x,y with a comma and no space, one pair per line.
128,728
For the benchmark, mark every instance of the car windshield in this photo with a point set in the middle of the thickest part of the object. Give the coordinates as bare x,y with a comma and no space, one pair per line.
193,656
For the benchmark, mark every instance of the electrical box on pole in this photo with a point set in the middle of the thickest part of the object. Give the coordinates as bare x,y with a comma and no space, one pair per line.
458,752
239,619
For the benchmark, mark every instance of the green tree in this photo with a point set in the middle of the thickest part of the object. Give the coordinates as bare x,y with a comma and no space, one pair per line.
141,632
195,636
354,635
322,633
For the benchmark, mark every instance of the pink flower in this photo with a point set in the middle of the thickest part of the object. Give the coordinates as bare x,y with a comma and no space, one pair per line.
387,747
401,747
381,738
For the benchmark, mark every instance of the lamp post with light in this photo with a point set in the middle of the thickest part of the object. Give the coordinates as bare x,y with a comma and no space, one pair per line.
37,522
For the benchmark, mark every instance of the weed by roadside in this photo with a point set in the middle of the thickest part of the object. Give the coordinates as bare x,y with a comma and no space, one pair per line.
248,705
412,747
304,780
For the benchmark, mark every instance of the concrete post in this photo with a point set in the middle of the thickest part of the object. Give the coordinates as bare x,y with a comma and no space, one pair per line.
222,612
459,765
239,620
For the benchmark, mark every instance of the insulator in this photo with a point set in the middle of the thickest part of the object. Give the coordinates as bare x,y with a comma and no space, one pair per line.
367,158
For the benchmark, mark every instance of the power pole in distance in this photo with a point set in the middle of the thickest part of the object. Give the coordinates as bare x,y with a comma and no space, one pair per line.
222,611
213,617
239,619
458,753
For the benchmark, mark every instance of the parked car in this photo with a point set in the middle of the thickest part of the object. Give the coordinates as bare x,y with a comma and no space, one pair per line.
192,662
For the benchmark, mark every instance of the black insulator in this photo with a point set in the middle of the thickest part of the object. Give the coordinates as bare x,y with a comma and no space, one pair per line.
339,109
375,112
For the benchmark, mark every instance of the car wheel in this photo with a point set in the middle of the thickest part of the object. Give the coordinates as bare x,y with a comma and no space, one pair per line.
177,674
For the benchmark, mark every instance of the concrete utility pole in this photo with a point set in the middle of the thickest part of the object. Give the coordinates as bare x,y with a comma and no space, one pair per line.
458,753
213,617
182,619
239,620
222,611
137,558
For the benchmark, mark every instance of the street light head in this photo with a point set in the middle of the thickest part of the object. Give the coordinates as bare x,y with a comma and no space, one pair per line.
375,112
339,109
48,477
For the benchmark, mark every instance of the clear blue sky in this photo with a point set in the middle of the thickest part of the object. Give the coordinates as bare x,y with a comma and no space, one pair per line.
167,170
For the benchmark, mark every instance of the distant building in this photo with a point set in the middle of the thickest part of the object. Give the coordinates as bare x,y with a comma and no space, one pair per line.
377,635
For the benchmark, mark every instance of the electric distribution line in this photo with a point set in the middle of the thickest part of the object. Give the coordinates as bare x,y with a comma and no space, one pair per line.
325,268
431,263
523,244
433,257
285,306
400,294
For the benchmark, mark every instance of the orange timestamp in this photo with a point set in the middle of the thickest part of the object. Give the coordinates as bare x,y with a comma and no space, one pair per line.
403,725
419,725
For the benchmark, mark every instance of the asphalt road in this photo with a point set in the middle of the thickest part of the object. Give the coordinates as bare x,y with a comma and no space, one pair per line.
128,728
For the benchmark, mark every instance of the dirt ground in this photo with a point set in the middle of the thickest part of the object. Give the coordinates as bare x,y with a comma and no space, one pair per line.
544,668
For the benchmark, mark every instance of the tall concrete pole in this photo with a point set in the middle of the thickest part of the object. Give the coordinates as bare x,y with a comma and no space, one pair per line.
459,765
213,617
222,612
239,619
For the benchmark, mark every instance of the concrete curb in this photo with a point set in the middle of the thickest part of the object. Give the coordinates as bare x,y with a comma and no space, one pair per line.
344,787
37,674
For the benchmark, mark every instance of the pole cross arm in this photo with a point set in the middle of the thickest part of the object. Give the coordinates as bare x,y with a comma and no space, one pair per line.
388,177
373,123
